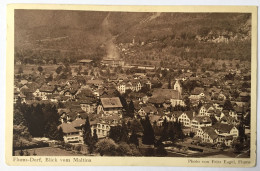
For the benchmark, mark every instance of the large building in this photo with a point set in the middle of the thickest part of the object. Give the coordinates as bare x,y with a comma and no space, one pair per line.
112,62
72,131
110,106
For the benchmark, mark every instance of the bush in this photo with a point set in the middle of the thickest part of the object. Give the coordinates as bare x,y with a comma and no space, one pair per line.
149,152
30,146
77,148
68,146
160,151
124,150
106,147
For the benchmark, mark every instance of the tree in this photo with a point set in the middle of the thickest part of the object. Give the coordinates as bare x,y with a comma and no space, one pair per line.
169,83
160,151
124,136
21,149
53,132
187,103
123,101
54,61
119,133
172,132
87,132
58,70
60,135
87,136
40,69
180,134
224,66
106,147
79,70
145,89
124,149
134,139
213,119
136,126
148,137
247,120
237,66
227,105
131,109
20,70
50,78
241,131
95,137
164,135
115,133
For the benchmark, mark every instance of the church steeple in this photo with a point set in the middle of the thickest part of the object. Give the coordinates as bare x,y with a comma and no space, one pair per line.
177,87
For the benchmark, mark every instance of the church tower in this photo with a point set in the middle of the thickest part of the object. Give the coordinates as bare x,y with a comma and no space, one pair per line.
177,87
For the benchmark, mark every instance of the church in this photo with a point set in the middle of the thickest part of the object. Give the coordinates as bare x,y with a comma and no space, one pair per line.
177,100
170,96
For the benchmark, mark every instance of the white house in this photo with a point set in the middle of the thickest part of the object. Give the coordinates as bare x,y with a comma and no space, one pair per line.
199,122
110,106
185,118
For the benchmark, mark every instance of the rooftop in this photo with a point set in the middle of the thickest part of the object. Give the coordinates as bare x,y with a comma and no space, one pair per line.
113,102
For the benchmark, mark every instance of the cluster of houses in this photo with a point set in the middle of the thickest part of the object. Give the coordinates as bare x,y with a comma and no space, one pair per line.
98,98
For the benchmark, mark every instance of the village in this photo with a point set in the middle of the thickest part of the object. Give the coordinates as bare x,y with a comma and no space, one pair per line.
202,113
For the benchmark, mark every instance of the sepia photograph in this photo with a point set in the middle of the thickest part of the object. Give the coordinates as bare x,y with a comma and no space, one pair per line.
110,83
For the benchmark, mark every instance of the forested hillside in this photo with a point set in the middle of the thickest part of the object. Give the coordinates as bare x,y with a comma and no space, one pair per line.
148,38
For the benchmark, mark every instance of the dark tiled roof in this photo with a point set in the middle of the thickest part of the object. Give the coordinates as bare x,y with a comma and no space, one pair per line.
149,109
113,102
202,119
197,91
67,128
78,122
46,88
210,131
166,94
223,128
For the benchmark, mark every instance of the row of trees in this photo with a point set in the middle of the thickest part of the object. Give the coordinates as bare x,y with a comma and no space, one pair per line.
125,139
42,120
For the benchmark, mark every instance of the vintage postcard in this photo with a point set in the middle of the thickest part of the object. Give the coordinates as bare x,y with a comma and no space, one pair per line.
131,85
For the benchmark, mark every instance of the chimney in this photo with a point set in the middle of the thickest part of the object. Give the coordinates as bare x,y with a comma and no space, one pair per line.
193,114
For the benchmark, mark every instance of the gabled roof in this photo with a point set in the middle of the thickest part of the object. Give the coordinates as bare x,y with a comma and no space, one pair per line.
210,131
87,100
188,113
46,88
154,118
197,91
228,119
166,94
238,109
85,93
23,82
22,95
78,122
113,102
136,94
97,82
67,128
149,109
202,119
223,128
85,61
63,110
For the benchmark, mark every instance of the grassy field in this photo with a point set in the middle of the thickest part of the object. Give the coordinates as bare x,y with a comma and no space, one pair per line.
28,69
50,151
